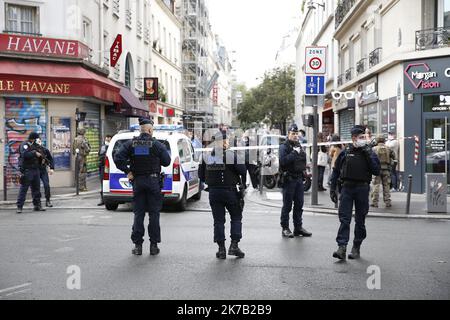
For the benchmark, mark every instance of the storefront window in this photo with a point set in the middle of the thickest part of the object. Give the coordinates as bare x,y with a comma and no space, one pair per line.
438,103
437,146
369,117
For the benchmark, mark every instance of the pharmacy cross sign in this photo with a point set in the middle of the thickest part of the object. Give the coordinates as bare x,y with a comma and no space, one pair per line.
116,50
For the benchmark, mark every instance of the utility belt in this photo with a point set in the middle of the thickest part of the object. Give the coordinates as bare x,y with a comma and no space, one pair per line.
354,183
160,176
227,188
290,176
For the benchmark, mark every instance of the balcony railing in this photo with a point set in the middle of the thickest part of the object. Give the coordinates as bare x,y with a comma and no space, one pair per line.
139,29
432,38
340,80
116,7
374,57
147,34
348,74
128,17
361,66
343,7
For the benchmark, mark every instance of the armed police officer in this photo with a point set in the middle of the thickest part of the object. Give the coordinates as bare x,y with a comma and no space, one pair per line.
29,163
222,170
353,172
293,165
47,166
141,159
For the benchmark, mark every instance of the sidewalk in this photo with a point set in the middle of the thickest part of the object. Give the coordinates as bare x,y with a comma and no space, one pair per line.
92,183
274,198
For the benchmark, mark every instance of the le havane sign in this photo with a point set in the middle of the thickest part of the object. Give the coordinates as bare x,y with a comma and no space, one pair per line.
43,87
42,46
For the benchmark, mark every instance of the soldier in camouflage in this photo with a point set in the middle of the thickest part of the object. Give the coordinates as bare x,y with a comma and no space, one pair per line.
387,158
82,144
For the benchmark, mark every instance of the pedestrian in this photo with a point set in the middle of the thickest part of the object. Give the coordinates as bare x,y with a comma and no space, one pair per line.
322,162
29,163
353,172
333,153
293,165
302,137
47,166
141,159
101,165
251,160
84,148
386,157
393,144
222,170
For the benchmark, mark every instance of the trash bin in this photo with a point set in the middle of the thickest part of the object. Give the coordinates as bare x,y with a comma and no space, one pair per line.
436,186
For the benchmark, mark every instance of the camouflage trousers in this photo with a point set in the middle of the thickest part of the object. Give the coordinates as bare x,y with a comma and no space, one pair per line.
82,173
383,179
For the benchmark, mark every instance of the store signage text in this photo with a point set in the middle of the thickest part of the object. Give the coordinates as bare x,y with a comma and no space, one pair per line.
447,72
34,87
420,79
42,46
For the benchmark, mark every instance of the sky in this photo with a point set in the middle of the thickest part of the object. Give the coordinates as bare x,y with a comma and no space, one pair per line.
255,30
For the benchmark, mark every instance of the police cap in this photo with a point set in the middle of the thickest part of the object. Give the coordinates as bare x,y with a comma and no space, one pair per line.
143,121
357,130
293,128
33,136
381,139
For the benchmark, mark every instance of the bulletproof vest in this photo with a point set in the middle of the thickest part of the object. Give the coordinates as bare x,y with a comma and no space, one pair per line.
218,173
355,166
299,164
143,158
384,155
32,163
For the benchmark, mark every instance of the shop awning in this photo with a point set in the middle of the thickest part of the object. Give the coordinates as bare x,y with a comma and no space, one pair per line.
59,79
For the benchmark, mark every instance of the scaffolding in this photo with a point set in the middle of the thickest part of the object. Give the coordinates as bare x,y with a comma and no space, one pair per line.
196,94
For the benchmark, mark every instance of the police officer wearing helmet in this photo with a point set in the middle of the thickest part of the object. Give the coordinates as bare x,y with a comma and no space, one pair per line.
29,163
141,159
222,170
353,172
293,164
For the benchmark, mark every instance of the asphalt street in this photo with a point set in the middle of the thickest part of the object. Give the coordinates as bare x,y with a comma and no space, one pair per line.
40,251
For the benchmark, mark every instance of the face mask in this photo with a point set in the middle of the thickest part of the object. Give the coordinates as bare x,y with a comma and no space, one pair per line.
360,143
39,142
106,143
390,138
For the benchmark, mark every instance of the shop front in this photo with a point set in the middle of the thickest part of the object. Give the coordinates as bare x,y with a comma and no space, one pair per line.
328,118
345,108
427,116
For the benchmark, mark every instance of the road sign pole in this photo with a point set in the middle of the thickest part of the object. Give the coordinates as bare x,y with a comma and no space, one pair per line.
315,171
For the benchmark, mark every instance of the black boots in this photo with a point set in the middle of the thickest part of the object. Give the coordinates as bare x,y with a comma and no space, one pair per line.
222,253
154,250
301,232
234,250
38,208
19,210
355,254
137,250
340,253
287,233
48,203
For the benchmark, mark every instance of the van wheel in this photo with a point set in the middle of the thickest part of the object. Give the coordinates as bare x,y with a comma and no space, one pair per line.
111,206
181,206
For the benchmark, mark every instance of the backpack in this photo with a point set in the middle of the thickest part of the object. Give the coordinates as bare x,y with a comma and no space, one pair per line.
384,155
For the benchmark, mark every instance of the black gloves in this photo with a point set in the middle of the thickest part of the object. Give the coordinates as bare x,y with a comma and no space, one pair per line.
333,196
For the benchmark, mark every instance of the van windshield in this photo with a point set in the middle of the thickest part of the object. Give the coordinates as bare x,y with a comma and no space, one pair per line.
119,143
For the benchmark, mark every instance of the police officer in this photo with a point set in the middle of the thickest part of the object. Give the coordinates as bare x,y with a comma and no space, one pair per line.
82,144
101,165
46,162
353,172
292,164
29,163
222,170
387,158
141,159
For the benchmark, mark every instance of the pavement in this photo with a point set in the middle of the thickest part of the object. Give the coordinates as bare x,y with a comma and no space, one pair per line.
46,255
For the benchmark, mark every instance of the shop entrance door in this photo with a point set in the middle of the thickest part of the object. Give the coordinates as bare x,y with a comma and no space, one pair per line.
437,146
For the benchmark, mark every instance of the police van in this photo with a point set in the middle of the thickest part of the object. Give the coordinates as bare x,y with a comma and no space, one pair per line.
181,180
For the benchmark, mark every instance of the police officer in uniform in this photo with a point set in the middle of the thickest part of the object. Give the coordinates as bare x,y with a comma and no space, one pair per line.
46,162
141,159
293,164
29,163
222,170
353,172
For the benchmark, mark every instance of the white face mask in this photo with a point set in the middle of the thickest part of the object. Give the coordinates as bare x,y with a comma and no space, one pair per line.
106,143
39,142
360,143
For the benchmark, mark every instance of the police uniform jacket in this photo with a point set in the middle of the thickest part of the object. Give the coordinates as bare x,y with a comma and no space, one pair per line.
28,158
291,161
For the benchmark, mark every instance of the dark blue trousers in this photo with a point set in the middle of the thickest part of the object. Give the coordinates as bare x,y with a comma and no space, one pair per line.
219,199
359,195
147,197
32,178
292,193
45,181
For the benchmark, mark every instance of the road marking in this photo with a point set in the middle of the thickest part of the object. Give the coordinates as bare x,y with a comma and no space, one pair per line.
16,292
64,249
15,287
87,217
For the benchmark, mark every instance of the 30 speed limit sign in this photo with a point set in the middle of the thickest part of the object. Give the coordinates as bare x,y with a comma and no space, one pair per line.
316,60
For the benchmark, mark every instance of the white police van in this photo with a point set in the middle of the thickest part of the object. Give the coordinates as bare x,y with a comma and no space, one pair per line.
181,181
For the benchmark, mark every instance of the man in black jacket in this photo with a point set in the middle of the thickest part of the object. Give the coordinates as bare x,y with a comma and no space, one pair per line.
47,166
293,164
101,164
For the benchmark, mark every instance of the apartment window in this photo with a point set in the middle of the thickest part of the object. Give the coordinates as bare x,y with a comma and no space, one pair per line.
87,32
127,74
105,46
22,19
170,46
165,42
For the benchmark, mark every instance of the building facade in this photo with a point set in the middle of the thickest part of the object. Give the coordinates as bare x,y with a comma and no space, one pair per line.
384,47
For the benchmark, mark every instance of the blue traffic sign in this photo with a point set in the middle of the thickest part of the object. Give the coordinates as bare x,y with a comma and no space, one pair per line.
315,85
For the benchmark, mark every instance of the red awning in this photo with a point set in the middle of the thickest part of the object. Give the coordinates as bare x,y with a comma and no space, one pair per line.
49,78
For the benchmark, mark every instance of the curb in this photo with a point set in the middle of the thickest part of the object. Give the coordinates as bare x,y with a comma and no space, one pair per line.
370,214
66,196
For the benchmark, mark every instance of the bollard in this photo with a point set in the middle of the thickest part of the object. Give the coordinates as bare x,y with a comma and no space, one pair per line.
5,193
408,199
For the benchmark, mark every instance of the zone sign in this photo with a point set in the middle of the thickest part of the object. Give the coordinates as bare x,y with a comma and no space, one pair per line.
315,62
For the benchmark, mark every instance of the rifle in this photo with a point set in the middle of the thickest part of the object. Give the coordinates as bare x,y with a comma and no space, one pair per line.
242,190
44,160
